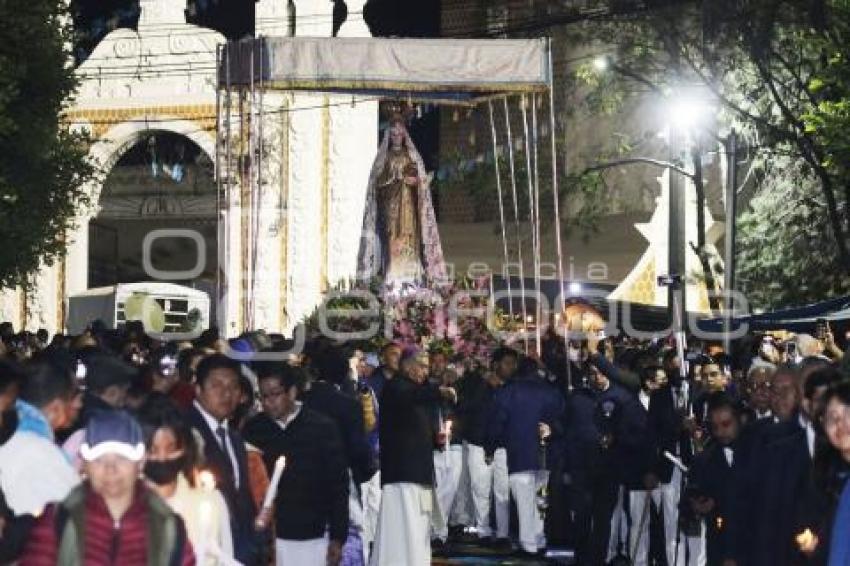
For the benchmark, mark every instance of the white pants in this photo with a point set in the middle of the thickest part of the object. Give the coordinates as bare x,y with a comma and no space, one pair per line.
666,498
484,480
447,468
524,486
619,528
403,526
461,513
312,552
371,500
692,551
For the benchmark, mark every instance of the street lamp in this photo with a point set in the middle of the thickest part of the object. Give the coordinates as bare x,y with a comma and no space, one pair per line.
687,114
601,63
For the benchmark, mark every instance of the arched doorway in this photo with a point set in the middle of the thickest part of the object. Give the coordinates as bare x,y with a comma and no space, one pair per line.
162,181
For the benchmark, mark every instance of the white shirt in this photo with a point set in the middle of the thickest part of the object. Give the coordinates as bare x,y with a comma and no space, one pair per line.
34,472
810,434
643,397
287,420
213,424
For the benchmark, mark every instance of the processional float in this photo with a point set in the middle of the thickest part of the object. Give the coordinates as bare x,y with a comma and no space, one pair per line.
454,72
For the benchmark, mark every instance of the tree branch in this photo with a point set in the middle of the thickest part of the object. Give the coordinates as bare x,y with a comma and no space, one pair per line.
633,160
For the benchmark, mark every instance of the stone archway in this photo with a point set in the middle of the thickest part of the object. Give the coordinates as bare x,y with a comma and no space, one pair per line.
105,153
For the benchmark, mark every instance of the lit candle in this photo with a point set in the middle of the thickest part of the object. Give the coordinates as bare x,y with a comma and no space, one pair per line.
807,541
720,523
206,480
448,430
271,493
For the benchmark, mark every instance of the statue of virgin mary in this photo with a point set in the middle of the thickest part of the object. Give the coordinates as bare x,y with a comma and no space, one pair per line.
400,242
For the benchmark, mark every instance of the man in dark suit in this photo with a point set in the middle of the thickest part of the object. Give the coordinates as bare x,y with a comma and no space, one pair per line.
217,392
778,478
714,476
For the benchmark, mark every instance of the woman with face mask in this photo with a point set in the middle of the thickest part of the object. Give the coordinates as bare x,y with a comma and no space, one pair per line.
171,469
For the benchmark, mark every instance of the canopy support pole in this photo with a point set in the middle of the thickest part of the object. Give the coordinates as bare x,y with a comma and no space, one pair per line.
531,207
556,203
534,138
501,209
218,172
516,220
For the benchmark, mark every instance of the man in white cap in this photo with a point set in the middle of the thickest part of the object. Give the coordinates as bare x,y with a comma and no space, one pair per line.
111,516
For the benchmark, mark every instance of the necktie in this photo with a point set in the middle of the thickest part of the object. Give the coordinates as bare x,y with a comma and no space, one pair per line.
221,432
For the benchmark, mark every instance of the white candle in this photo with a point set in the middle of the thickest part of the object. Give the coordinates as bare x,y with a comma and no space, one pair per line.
272,491
206,480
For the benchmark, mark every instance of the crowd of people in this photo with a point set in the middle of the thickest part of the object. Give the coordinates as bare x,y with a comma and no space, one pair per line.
116,447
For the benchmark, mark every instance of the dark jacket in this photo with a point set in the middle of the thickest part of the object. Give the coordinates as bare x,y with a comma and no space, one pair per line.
665,427
377,381
312,496
407,431
474,405
517,409
240,504
347,413
594,432
778,478
712,476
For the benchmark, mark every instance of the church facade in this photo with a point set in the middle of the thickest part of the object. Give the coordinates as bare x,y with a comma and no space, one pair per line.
264,205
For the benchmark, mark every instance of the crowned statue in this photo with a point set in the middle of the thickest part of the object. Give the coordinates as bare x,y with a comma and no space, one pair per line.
400,242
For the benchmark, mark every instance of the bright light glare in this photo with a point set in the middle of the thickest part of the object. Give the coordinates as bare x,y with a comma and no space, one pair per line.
687,113
575,287
601,63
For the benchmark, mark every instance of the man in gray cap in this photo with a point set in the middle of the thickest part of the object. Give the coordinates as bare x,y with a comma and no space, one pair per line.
111,516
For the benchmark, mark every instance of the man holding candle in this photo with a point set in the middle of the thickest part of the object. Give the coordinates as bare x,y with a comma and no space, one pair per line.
310,500
407,435
217,391
715,474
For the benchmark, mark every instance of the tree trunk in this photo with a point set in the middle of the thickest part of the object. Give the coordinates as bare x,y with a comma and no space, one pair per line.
700,248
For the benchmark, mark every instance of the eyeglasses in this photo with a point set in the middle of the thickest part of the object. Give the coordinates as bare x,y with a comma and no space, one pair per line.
269,395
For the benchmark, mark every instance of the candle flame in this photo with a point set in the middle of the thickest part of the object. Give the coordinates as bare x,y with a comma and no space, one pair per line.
720,523
806,540
449,424
206,480
281,462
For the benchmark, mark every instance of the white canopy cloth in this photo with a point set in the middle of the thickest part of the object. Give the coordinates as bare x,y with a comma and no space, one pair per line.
441,70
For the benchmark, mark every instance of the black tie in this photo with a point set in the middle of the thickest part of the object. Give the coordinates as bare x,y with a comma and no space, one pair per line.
222,438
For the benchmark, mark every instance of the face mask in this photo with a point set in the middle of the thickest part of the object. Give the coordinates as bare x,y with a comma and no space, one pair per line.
164,472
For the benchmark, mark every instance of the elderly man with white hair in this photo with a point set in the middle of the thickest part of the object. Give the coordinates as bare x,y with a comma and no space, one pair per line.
407,435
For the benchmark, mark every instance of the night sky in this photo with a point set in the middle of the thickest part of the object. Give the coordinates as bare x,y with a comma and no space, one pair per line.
235,18
94,19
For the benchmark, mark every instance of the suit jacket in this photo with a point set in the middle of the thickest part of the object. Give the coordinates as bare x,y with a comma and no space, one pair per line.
779,475
664,431
712,476
239,501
